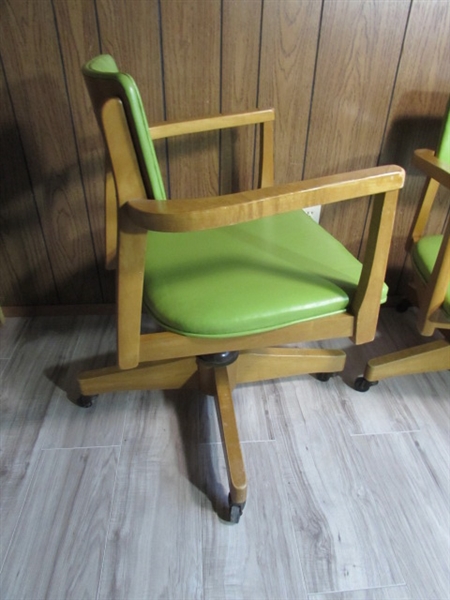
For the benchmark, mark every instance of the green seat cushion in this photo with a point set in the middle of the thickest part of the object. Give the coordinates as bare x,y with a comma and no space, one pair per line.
424,256
247,278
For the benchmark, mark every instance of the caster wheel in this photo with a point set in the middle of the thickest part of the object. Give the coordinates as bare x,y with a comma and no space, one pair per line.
85,401
324,376
236,511
362,385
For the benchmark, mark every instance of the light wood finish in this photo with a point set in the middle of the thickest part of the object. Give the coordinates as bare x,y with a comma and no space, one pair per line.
275,363
219,211
171,345
111,227
136,213
223,121
428,295
230,438
434,356
432,166
361,513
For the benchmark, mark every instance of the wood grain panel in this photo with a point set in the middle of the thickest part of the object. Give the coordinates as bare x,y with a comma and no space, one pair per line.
191,49
26,274
130,32
360,44
421,94
31,56
241,25
288,54
79,40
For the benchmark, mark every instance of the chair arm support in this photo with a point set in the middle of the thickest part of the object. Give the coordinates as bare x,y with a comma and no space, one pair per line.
432,166
365,304
173,128
219,211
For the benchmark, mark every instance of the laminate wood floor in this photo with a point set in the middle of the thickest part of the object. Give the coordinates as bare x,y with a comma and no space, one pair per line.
348,492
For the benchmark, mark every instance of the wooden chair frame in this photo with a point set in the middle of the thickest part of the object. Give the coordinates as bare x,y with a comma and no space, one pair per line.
166,360
427,296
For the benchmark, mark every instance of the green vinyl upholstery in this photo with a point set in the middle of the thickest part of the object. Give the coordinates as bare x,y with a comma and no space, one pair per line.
241,279
105,67
424,255
425,251
247,278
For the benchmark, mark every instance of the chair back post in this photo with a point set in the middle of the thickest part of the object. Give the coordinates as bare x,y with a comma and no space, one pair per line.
131,239
434,291
428,196
266,175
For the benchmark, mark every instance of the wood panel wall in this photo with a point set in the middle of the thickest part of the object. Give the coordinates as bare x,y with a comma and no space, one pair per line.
354,83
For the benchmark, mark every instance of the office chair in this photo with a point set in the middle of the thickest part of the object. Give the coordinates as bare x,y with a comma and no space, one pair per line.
228,278
430,288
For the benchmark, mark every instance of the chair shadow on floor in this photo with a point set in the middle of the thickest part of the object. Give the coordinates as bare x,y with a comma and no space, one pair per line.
202,470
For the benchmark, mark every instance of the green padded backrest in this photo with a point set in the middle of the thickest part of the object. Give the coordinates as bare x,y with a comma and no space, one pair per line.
105,81
443,150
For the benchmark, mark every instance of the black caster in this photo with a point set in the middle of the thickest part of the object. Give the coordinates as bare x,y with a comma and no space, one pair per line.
362,385
236,511
85,401
324,376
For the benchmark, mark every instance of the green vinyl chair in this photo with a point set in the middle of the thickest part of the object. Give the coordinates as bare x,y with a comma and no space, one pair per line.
230,279
430,287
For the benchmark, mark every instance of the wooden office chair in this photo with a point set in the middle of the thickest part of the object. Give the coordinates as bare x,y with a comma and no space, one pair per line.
228,278
430,288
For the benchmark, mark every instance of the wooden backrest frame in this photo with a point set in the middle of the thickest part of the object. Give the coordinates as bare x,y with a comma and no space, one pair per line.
430,295
126,236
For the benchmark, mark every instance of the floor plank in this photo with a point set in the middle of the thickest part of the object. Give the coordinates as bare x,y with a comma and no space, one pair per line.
349,493
40,385
258,558
154,543
398,592
57,548
413,505
10,333
14,483
251,415
342,544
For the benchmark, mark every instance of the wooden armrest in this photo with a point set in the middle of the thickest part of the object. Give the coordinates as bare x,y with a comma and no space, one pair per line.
432,166
173,128
219,211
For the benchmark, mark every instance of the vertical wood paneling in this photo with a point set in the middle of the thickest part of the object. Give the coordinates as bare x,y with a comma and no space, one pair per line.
32,61
288,54
350,80
360,44
191,50
26,273
79,40
421,94
241,26
131,33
